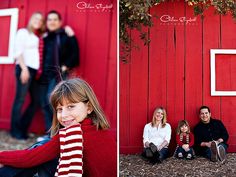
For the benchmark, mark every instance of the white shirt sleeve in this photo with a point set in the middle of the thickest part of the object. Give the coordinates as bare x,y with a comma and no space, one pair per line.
168,133
19,47
145,134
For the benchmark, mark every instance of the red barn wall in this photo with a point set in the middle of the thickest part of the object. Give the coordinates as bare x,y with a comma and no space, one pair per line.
96,31
174,71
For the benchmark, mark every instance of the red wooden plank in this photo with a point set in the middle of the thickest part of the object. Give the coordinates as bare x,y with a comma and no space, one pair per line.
111,76
59,6
99,45
3,5
138,91
124,104
193,67
175,68
79,24
228,104
7,93
4,35
7,79
157,61
36,6
211,40
225,69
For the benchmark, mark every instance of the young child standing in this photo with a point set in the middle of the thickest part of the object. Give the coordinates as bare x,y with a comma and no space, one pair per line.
79,136
184,140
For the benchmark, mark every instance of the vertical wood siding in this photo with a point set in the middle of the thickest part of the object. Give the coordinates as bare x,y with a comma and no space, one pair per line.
96,32
174,71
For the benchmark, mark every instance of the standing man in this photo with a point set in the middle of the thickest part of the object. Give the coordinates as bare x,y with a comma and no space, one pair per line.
61,54
210,136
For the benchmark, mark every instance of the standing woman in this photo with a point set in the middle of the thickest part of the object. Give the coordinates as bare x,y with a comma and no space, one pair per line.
156,137
27,54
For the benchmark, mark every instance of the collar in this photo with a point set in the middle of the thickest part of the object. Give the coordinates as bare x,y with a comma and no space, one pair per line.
56,32
87,124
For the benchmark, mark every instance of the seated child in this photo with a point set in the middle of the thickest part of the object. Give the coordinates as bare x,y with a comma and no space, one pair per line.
185,141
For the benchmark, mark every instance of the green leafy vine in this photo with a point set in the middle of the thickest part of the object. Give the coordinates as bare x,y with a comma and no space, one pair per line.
135,15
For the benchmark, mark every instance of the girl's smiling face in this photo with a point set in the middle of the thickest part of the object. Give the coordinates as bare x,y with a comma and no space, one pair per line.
184,129
69,114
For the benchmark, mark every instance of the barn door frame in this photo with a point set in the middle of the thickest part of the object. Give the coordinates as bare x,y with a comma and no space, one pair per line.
13,13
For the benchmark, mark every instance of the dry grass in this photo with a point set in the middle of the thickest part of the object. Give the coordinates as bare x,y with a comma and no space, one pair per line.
135,166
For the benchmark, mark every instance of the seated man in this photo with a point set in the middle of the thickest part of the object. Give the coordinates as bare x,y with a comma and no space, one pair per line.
210,136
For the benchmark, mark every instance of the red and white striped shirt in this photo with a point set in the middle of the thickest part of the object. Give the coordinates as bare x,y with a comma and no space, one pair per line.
71,152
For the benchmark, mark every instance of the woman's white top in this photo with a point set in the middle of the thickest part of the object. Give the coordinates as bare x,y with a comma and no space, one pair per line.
27,44
156,135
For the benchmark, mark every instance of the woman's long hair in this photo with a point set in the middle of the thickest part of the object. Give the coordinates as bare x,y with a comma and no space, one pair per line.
164,119
29,26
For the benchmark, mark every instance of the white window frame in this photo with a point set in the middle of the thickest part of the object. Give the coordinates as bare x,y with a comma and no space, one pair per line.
13,12
215,92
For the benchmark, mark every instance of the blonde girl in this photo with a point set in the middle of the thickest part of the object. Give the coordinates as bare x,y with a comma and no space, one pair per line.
80,136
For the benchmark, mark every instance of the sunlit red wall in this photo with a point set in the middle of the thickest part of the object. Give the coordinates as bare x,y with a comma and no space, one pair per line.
96,31
173,71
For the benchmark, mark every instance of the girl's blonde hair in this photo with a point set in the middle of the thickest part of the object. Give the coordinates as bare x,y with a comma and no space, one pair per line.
182,123
29,26
164,119
74,91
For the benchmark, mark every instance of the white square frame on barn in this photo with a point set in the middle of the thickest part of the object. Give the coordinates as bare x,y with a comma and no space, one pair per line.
214,92
13,12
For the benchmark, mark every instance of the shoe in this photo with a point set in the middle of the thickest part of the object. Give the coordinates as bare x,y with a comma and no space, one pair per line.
153,147
19,137
189,156
155,159
180,155
148,153
213,148
42,138
221,153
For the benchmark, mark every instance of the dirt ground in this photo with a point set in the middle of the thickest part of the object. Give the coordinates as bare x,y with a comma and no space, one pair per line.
9,143
135,166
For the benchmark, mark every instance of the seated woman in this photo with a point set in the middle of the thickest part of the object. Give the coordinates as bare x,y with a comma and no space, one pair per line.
156,137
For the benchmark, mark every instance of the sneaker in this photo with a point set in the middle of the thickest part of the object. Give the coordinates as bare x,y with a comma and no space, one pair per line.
180,155
213,148
221,153
189,156
153,147
42,138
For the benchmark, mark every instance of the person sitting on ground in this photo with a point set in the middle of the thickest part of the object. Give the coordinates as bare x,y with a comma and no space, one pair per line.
156,137
210,136
80,138
184,140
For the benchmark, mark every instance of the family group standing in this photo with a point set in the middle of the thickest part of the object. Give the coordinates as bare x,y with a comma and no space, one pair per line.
43,58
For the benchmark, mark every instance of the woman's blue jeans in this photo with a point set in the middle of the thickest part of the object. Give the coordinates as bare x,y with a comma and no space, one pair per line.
21,122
